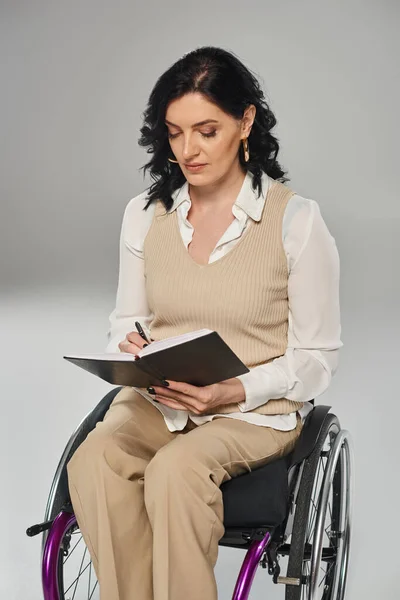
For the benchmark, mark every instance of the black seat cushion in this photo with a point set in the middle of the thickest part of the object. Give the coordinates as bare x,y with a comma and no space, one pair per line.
258,498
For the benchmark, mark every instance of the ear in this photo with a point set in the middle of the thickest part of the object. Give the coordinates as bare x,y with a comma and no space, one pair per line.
247,120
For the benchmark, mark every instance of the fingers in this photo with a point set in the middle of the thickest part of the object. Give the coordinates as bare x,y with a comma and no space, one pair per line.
177,405
177,400
198,397
171,403
133,343
125,346
134,338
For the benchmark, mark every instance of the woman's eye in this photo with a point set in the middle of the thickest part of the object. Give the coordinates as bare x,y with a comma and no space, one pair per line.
209,134
204,134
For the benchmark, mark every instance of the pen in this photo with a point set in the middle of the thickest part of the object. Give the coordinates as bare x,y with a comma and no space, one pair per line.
141,332
143,336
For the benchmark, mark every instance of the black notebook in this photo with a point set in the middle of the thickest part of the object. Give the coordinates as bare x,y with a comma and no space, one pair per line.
199,357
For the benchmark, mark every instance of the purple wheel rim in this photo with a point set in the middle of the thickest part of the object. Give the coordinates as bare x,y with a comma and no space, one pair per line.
61,524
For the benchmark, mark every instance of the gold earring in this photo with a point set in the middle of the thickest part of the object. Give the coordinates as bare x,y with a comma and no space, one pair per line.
246,149
173,161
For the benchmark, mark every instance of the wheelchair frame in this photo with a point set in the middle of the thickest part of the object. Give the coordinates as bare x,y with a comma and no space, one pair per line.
264,545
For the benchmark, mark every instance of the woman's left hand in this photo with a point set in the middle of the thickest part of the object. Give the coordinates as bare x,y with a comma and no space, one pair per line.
199,400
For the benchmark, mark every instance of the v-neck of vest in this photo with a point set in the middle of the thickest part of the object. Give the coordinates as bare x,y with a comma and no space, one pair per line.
219,260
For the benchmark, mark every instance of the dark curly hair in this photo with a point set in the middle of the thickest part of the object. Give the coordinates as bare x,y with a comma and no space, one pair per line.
222,78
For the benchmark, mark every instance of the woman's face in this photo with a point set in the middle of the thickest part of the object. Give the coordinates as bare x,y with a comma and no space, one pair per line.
200,133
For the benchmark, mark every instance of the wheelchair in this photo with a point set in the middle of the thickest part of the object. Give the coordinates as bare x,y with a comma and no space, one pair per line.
296,508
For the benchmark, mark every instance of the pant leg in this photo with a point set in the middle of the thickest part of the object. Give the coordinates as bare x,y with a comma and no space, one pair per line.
106,486
184,501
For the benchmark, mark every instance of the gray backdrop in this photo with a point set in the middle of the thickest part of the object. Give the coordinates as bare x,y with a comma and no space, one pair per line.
75,77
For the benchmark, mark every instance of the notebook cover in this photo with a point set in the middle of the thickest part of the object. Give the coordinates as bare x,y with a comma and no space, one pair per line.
116,371
201,362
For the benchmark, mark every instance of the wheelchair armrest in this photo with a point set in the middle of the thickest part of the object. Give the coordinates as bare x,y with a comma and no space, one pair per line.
309,434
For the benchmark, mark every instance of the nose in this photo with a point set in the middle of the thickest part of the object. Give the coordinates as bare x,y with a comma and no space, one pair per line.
190,148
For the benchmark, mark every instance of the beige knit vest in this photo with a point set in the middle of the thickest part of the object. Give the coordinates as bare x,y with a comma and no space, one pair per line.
243,295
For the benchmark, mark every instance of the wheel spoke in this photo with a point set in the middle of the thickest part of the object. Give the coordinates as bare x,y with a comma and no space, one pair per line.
326,574
70,552
314,515
91,595
330,510
90,577
79,575
311,523
74,588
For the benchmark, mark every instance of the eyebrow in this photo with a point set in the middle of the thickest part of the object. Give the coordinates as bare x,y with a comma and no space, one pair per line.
196,124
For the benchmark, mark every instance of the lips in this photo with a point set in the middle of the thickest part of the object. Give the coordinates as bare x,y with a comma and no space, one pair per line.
195,165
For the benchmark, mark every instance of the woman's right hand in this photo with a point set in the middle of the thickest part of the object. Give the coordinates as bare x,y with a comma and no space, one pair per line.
132,343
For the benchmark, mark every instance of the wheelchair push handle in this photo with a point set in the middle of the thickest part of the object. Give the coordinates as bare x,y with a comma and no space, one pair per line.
39,528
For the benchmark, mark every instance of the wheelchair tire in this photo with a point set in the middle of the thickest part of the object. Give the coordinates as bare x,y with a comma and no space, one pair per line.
307,554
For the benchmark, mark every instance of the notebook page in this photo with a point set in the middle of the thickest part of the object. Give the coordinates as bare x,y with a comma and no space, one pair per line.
153,347
108,356
173,341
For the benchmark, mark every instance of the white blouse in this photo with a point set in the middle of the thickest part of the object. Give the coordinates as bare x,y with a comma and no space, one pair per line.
311,357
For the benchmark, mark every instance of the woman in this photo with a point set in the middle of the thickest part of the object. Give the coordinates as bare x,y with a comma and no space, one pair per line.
218,241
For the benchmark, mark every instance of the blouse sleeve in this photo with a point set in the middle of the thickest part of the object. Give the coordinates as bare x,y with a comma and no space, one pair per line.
311,358
131,302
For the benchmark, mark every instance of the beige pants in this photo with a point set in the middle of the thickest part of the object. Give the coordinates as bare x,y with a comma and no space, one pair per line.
148,501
